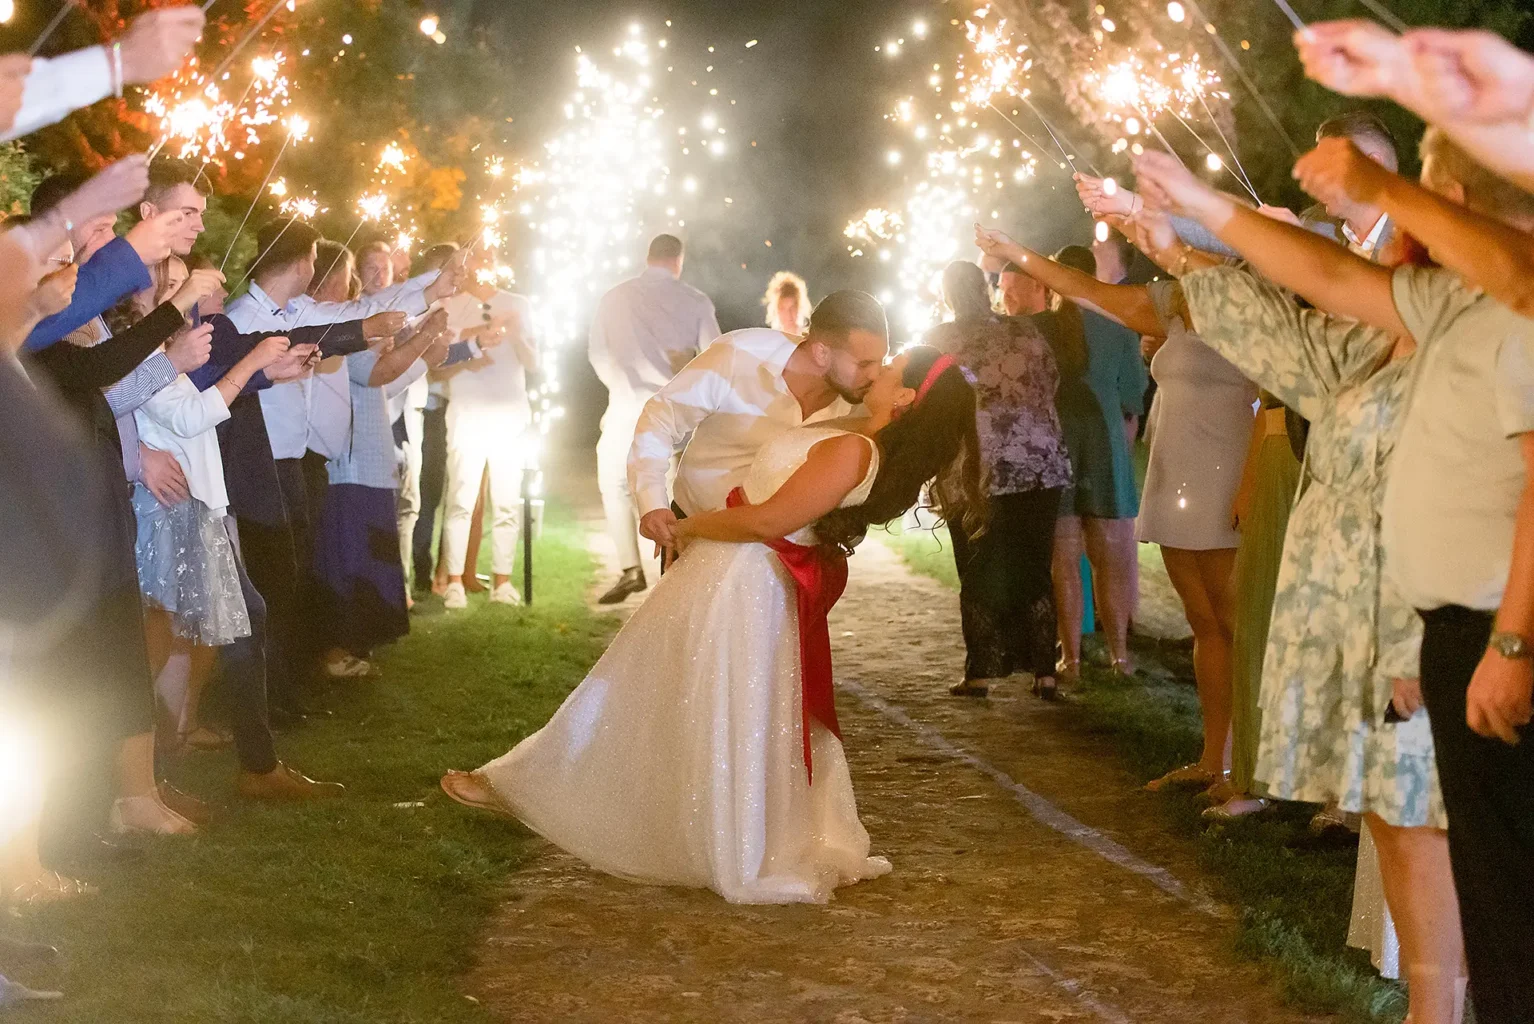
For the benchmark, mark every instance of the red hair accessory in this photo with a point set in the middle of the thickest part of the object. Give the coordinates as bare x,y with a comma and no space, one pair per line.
943,362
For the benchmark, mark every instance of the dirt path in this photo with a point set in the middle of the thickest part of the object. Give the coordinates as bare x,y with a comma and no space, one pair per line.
1030,882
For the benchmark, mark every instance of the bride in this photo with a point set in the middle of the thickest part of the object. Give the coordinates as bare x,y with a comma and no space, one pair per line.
683,757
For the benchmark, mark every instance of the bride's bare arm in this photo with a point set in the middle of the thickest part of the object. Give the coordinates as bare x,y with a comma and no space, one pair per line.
834,467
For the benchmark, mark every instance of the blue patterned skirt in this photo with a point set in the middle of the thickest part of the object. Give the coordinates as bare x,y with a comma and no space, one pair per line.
186,567
357,565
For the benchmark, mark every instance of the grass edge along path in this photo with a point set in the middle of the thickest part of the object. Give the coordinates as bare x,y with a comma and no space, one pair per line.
1294,898
364,910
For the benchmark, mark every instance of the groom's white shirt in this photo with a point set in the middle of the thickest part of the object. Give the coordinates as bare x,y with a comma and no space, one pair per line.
732,399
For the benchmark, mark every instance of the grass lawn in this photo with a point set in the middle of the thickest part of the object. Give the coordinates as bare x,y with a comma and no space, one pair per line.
1295,898
362,910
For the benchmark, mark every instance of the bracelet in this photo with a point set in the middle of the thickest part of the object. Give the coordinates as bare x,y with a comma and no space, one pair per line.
1180,263
117,70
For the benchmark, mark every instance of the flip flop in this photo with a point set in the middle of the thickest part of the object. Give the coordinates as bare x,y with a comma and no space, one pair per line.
449,784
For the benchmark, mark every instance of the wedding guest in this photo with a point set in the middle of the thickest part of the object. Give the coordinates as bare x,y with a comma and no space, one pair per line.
1005,596
487,427
198,596
1199,432
361,579
1100,414
431,572
644,331
787,303
1424,310
1021,295
276,302
1457,533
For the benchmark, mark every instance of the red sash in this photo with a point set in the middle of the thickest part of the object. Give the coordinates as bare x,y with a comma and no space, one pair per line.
820,576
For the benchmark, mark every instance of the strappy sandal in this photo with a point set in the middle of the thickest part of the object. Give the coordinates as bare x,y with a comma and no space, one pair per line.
1191,776
452,784
1069,669
1046,689
1124,668
970,688
1236,807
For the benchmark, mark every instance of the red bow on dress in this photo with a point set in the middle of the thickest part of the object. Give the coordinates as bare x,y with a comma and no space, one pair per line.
820,576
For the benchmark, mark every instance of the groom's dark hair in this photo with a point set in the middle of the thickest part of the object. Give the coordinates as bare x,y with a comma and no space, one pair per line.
841,313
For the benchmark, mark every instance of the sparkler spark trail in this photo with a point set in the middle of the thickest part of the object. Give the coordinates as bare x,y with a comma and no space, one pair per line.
298,129
641,150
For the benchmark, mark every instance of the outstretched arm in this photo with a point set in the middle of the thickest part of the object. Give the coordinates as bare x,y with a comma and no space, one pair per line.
834,467
1326,274
1129,304
1474,85
1493,255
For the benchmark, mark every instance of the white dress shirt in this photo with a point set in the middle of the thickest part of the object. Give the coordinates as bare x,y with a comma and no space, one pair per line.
316,413
732,399
645,330
496,382
180,419
58,86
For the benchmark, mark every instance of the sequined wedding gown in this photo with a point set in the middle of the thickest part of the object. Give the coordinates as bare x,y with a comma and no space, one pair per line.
679,760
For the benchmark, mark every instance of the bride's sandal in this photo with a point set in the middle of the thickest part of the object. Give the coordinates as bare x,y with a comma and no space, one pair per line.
466,789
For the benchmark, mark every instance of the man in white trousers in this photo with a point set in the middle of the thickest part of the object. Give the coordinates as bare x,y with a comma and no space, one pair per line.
488,417
644,331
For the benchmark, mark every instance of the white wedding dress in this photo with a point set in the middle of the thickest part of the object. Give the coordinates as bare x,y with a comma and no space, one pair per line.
679,760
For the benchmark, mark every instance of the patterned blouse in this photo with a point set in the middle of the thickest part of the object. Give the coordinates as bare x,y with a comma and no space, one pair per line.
1015,382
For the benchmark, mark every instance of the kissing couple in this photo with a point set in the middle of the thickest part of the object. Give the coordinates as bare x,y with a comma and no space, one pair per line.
703,747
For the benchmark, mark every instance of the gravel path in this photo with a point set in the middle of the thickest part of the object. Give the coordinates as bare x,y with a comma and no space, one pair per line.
1030,882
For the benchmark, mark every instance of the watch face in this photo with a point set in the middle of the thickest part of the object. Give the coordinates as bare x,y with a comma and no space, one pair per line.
1510,645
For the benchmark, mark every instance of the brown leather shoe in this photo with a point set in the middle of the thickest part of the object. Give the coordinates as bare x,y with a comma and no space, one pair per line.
198,812
285,784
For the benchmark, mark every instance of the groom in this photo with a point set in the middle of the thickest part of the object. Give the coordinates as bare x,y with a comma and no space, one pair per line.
742,391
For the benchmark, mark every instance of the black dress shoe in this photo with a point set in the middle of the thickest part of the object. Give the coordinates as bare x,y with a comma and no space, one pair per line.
631,582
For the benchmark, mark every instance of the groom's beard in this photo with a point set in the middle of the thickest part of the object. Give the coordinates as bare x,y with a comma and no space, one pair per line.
849,395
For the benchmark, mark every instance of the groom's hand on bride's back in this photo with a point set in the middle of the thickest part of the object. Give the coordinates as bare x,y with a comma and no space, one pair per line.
660,527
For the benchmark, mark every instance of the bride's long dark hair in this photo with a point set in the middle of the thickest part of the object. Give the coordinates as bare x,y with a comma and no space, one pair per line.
934,440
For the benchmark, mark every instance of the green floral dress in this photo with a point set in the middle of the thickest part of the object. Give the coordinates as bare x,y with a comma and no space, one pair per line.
1339,632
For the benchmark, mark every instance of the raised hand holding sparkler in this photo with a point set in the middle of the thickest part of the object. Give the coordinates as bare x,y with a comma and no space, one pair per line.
1337,171
151,237
1165,184
1354,57
1474,75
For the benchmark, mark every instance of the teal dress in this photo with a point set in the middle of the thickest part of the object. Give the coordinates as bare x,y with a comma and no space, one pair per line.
1092,414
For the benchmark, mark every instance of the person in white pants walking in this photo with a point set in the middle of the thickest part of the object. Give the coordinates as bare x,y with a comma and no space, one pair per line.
644,331
487,421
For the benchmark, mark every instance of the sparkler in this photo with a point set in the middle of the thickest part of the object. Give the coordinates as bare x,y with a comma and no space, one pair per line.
52,27
298,129
255,30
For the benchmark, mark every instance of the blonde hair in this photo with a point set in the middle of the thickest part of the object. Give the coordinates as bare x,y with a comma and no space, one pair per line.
1485,192
787,284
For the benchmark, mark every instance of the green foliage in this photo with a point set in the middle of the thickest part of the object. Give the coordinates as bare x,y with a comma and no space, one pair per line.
19,175
365,909
220,223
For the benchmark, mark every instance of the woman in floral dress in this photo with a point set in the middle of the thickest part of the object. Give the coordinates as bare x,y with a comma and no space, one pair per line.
1006,594
1342,717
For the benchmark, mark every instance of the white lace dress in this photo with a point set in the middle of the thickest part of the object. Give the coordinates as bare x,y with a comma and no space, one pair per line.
679,760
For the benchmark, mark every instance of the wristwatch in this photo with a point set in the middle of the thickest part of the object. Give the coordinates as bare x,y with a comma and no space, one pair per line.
1511,646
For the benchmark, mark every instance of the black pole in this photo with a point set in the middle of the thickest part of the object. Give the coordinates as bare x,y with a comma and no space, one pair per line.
527,536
